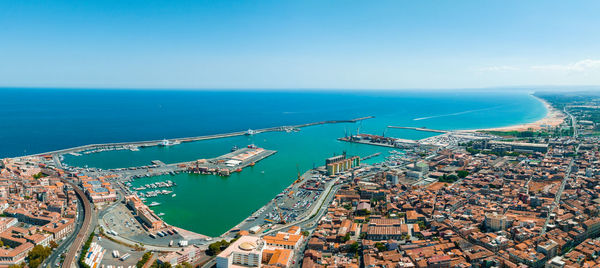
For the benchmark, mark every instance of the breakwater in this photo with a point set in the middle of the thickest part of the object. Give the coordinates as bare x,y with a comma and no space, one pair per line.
195,138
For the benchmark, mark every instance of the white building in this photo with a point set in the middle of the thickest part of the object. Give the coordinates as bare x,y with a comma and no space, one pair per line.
190,254
244,252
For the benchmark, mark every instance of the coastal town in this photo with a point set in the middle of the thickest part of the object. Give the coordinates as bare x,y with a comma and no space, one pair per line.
519,196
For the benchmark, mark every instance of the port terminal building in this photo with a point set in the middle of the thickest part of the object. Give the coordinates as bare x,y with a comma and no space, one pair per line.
341,163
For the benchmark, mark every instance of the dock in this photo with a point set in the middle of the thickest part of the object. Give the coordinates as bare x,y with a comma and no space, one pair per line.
370,156
226,164
380,141
421,129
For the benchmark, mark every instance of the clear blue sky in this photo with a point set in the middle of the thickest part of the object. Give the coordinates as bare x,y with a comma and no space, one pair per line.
299,44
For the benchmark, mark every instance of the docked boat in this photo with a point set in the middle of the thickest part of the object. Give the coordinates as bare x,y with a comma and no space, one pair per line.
153,204
166,142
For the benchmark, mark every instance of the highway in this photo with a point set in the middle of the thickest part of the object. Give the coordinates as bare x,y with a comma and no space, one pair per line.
82,234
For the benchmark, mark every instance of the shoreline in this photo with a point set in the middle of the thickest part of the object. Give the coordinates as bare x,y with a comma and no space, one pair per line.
553,118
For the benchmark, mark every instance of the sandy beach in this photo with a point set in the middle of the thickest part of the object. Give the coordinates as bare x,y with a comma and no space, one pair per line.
553,118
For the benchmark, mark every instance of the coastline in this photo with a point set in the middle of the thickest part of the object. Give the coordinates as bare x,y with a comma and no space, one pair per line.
553,118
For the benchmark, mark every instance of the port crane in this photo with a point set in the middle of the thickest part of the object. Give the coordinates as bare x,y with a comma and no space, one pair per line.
298,170
281,219
296,181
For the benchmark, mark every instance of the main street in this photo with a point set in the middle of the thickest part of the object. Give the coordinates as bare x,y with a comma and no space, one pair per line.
82,234
54,258
556,201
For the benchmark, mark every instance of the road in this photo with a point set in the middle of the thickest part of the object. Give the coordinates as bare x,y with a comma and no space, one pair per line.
320,206
64,245
556,201
573,122
82,235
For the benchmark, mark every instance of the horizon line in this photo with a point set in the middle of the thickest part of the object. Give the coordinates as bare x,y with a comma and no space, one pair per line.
515,87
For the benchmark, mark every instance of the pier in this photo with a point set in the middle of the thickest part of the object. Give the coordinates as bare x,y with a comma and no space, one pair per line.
380,141
133,145
370,156
421,129
226,164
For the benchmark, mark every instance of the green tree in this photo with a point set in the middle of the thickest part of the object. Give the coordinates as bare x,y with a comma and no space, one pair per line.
53,244
84,251
216,247
39,175
144,259
462,173
37,255
184,265
346,237
363,212
166,265
354,247
380,246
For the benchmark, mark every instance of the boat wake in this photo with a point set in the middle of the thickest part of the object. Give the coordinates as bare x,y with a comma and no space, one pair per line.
457,113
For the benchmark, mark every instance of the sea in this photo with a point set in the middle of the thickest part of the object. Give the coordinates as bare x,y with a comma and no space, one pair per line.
40,120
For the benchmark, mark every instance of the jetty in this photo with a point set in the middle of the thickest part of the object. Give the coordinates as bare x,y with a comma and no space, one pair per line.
421,129
169,142
380,141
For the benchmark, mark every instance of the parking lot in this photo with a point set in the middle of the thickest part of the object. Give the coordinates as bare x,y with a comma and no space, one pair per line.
109,259
292,204
121,221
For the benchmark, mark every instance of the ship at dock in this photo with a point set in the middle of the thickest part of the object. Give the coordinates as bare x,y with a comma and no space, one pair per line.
165,143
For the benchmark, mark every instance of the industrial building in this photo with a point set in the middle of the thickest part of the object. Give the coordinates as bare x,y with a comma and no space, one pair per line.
341,163
505,146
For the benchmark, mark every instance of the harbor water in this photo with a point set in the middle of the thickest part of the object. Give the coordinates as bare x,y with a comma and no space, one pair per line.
211,204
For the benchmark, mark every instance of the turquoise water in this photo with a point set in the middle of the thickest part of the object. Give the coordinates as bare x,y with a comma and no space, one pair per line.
211,205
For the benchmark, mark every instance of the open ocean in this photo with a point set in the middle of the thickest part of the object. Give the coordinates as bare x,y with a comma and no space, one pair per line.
40,120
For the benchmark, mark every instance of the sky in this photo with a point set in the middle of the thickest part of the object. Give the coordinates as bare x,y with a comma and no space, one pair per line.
298,44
